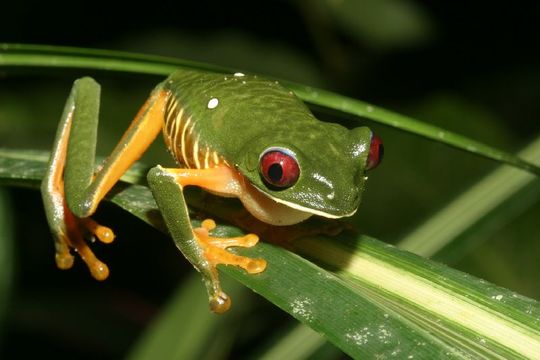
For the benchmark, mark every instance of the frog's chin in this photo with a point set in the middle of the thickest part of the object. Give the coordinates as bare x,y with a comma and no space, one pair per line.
311,211
276,211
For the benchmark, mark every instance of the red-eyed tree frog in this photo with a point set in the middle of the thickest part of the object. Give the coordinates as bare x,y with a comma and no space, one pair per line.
232,135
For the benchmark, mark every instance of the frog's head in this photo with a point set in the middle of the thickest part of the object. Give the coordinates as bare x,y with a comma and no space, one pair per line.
319,171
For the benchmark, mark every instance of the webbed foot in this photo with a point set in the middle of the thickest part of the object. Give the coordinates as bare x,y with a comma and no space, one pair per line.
215,252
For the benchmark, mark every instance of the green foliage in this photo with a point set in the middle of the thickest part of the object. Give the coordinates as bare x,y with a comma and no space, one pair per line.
447,64
438,307
384,24
372,299
364,296
52,56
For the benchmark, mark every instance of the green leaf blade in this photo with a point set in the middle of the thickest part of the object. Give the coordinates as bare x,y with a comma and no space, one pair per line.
413,285
368,282
490,195
162,340
356,107
374,298
52,56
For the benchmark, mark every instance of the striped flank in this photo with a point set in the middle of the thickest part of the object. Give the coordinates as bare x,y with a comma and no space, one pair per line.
183,140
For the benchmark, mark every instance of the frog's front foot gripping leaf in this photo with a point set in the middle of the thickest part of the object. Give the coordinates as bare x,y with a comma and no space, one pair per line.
215,253
204,251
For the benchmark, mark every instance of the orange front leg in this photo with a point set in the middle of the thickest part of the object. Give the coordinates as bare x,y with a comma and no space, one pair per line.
202,249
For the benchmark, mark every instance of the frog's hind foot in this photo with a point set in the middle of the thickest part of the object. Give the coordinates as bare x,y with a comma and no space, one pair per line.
74,237
215,252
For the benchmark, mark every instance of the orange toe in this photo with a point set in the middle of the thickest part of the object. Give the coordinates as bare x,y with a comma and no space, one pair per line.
215,248
103,233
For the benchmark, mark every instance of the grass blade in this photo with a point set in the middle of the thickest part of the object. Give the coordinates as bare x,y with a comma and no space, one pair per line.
52,56
299,343
369,298
162,340
476,317
83,58
468,209
351,106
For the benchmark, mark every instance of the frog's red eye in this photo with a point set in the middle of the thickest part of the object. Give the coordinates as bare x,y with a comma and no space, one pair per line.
376,152
279,168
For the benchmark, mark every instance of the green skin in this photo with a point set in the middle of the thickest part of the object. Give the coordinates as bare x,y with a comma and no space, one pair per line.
260,114
252,115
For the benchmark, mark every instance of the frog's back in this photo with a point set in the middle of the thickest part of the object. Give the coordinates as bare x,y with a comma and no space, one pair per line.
210,116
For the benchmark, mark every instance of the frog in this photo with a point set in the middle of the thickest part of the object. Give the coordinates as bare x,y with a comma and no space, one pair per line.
233,135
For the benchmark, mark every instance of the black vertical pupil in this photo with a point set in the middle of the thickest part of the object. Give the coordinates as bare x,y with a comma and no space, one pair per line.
381,152
275,172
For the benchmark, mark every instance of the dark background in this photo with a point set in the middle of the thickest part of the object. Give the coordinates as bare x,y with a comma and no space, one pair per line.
471,67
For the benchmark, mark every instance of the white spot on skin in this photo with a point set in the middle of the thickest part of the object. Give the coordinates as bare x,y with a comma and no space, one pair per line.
498,297
322,179
239,74
213,103
326,182
358,149
369,108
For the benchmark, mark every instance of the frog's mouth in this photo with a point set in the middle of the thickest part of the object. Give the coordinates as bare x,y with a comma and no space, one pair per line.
276,211
309,210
